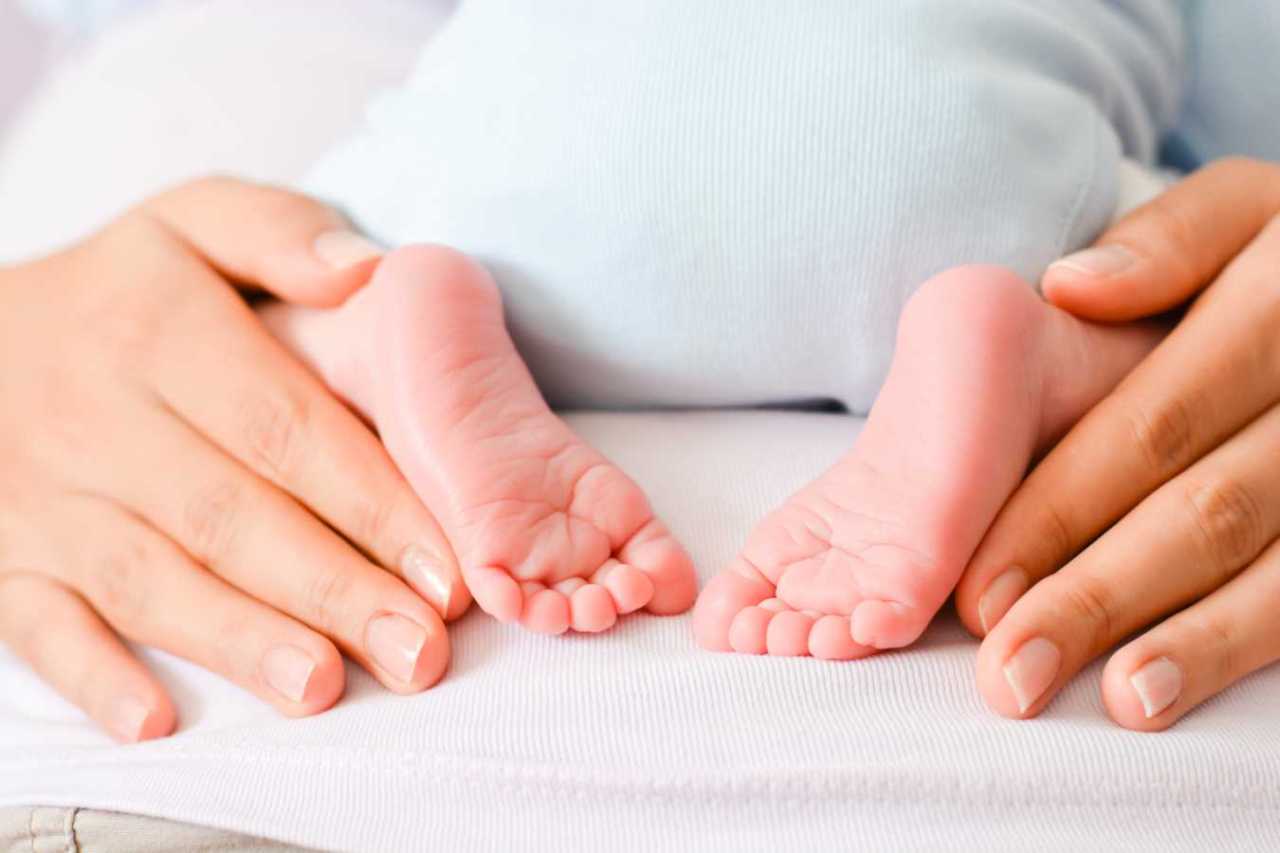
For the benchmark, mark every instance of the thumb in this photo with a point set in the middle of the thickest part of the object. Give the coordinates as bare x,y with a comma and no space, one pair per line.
265,237
1172,247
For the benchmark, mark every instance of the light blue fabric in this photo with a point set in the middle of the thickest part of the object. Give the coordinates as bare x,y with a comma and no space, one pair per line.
1232,103
729,201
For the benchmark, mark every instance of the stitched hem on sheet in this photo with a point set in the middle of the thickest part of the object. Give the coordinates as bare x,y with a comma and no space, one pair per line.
549,782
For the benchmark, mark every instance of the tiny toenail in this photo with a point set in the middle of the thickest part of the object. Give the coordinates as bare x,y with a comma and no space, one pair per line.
1031,670
396,642
1158,685
288,670
1100,261
1000,595
429,577
342,249
126,718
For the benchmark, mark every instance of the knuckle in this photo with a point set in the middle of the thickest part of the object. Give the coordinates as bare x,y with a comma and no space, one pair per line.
373,524
1164,436
1057,533
1227,523
275,430
1089,600
229,654
1176,239
212,517
328,598
1173,225
1215,641
118,585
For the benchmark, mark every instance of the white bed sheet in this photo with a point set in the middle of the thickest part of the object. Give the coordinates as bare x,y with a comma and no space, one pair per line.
635,738
630,740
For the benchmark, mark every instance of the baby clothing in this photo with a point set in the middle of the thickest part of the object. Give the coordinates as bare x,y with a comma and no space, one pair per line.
729,202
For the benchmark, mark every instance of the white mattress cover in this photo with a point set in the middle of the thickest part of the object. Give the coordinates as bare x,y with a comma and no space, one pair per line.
635,738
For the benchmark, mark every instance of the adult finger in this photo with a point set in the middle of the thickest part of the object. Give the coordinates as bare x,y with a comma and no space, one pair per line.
81,658
260,541
1169,249
1215,372
270,413
287,243
149,590
1197,653
1183,542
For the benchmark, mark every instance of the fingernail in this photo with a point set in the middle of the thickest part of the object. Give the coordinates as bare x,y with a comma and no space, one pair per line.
1031,670
395,643
342,249
126,717
1000,595
428,577
1099,261
1157,684
288,670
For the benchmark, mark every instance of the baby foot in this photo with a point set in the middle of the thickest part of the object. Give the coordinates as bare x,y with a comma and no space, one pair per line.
547,530
984,373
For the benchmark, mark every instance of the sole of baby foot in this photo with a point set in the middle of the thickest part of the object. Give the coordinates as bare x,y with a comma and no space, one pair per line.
861,559
550,534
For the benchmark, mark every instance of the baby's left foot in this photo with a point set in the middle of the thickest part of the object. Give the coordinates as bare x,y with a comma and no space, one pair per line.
984,374
547,530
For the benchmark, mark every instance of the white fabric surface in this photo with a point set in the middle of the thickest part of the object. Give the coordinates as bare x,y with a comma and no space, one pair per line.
639,739
630,740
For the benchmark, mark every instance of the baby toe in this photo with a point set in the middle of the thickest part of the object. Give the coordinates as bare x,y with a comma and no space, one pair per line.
496,592
886,624
830,639
724,597
654,551
631,588
592,609
546,612
788,634
748,629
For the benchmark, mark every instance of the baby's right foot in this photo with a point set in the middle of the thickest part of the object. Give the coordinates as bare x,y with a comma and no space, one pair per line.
546,529
985,372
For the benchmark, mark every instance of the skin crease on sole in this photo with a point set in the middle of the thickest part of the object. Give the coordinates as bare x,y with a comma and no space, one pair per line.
548,532
985,374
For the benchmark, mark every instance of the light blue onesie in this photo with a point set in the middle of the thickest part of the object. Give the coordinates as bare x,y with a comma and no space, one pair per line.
729,201
710,202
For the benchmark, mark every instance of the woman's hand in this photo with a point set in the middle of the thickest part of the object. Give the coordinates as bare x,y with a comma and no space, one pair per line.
1160,511
173,476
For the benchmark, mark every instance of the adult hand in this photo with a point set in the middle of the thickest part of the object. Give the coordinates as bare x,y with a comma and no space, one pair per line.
173,476
1160,511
